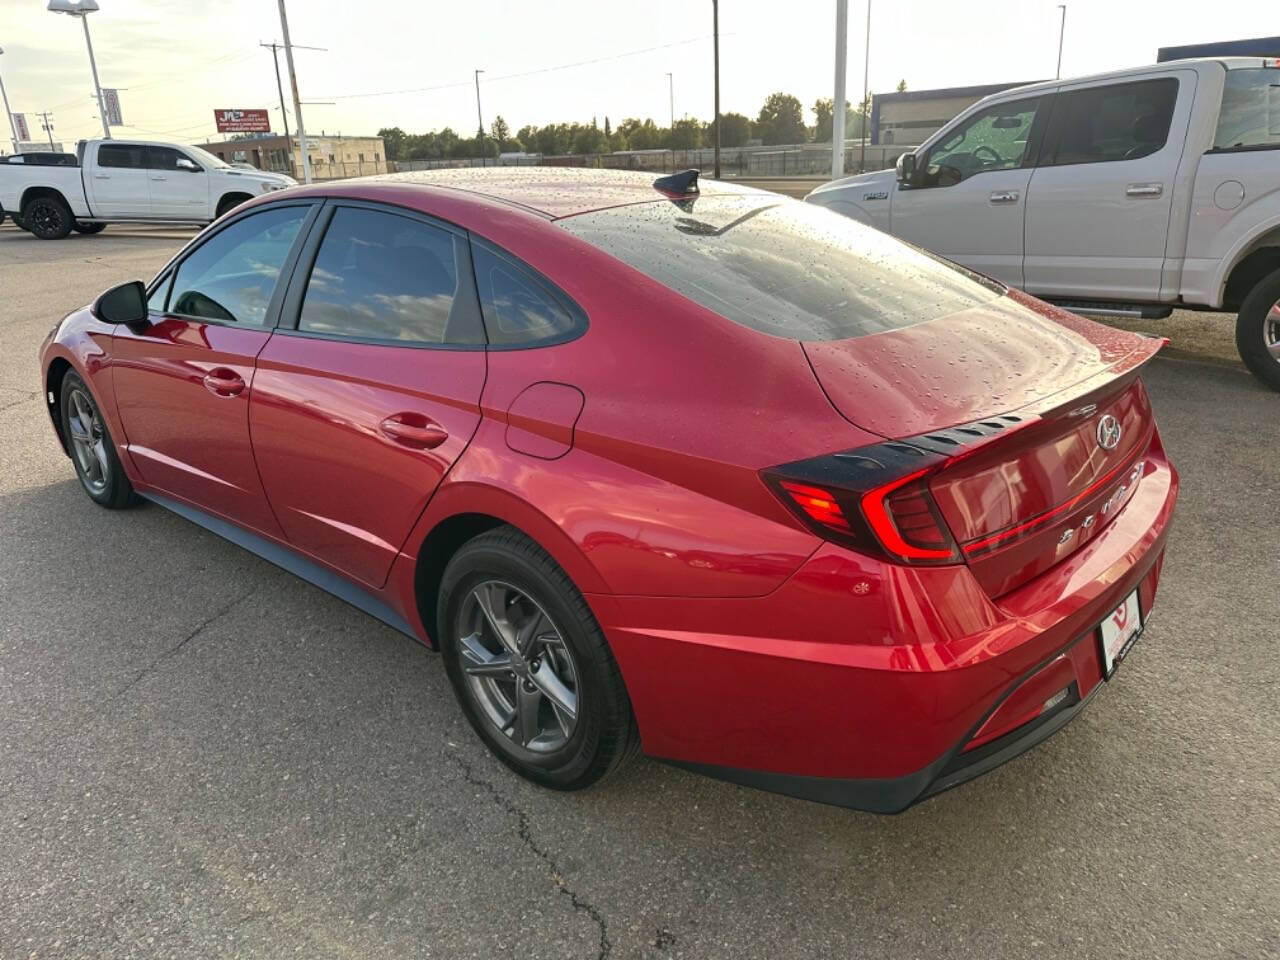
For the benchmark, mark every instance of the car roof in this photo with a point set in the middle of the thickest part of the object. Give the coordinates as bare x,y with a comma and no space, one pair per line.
550,191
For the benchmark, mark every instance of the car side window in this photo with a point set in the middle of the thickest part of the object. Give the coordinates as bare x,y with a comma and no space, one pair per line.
126,156
996,138
521,309
382,276
231,276
1250,114
159,296
166,158
1120,121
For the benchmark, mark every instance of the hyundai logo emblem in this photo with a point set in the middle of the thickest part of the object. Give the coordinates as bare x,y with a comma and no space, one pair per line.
1109,432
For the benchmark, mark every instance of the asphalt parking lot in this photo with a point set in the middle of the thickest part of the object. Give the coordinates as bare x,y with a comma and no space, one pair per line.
202,756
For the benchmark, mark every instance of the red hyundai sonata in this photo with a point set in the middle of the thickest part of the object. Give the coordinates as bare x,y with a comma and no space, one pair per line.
688,468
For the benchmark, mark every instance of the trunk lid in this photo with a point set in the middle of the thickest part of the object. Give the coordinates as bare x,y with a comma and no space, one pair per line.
1041,415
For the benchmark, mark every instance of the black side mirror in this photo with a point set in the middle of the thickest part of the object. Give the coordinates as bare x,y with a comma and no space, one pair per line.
906,168
126,303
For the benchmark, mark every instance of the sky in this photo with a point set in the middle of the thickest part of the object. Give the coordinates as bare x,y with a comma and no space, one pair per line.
410,63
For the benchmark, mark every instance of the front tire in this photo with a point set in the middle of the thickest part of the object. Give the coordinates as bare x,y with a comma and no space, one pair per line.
49,218
530,666
92,451
1258,330
89,228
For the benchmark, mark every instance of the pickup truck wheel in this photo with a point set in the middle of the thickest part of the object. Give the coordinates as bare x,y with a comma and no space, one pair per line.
49,218
90,227
230,201
1258,331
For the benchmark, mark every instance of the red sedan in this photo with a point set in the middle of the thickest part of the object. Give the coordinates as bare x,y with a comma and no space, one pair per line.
689,468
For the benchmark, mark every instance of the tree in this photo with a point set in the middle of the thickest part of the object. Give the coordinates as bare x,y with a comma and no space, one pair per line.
823,132
685,135
396,142
500,132
608,133
902,86
735,130
781,120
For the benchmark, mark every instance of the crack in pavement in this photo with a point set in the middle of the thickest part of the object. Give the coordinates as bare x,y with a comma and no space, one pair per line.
580,904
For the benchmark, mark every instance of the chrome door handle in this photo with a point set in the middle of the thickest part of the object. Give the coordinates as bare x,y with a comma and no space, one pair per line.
1004,196
159,178
1144,190
102,176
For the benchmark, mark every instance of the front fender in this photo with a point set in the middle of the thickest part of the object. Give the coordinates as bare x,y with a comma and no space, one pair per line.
82,343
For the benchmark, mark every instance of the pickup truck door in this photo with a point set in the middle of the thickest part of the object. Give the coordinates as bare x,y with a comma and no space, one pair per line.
179,185
1099,202
116,184
967,198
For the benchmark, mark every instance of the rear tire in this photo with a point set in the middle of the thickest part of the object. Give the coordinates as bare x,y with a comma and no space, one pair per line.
89,228
1258,330
565,652
92,451
49,218
231,201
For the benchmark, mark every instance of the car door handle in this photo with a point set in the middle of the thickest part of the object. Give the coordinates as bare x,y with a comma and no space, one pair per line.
413,430
102,176
1004,196
1144,190
159,178
223,382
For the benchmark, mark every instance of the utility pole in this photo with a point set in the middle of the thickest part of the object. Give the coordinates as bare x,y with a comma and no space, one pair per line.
715,31
1062,29
275,58
837,102
479,114
671,96
866,91
297,103
13,127
46,125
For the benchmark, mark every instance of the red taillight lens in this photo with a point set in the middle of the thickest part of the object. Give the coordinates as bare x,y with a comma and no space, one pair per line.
869,505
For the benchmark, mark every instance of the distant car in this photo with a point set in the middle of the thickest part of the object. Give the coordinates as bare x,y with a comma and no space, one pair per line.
1128,194
711,471
127,181
242,165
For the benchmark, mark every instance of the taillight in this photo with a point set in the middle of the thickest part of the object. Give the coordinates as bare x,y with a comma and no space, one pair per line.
875,500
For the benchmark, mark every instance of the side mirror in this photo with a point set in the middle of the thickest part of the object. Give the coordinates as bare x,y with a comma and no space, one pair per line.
906,168
126,303
188,165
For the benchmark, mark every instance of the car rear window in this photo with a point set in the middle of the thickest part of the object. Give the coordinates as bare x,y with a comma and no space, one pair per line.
1250,114
783,267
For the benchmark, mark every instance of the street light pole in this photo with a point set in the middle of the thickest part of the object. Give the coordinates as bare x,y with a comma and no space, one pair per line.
102,107
715,30
671,95
13,127
1062,29
866,89
837,102
297,102
479,114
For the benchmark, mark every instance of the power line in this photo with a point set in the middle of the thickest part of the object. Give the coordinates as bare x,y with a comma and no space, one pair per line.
526,73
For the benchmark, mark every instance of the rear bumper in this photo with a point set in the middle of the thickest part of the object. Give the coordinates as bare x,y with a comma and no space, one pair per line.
873,686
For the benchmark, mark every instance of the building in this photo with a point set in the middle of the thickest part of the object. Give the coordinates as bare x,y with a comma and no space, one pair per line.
1258,47
909,118
332,158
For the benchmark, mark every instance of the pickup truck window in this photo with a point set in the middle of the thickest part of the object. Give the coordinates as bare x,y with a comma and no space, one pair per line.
1250,114
993,139
232,275
127,156
165,158
1119,121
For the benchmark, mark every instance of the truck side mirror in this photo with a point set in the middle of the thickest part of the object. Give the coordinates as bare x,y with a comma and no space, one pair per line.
126,303
906,168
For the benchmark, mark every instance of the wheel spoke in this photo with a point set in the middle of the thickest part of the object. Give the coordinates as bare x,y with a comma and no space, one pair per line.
1273,348
78,430
533,630
561,697
491,599
526,718
100,454
478,661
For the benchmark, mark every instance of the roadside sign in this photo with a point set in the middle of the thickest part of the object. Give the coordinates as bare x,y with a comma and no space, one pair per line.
20,121
111,102
242,121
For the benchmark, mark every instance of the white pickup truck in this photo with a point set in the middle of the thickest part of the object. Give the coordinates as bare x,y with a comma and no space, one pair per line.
1129,193
127,181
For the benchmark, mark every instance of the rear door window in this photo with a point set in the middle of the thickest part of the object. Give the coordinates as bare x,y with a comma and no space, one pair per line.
123,156
231,277
385,277
782,267
1250,115
1121,121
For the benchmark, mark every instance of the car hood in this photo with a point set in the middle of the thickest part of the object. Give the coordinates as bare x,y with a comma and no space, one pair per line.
1008,354
878,180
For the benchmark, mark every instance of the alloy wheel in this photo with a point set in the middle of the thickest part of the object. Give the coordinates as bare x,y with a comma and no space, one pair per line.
88,442
518,668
